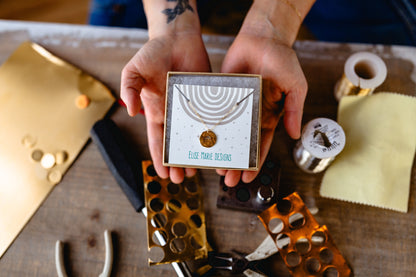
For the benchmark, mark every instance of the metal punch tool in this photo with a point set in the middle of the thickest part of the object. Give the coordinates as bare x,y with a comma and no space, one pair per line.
251,265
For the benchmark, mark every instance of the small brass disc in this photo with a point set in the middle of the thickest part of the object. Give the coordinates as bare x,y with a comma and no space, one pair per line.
48,161
61,157
208,138
29,141
37,155
55,176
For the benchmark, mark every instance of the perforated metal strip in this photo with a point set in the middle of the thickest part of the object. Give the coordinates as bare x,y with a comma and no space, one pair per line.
306,248
176,219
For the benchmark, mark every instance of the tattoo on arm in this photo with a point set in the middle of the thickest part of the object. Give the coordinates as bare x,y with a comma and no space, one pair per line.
181,7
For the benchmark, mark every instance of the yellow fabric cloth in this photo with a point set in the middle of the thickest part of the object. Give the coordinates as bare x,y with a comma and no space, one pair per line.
375,166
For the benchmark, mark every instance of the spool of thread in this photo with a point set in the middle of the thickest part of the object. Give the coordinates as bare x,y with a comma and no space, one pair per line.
321,141
363,73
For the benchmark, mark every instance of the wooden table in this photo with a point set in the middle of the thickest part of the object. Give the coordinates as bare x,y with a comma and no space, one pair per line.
375,242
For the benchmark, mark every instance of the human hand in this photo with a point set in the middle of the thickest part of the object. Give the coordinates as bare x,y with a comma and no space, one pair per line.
276,61
143,80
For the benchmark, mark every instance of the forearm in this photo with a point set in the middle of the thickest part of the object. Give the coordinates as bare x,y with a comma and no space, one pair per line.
277,19
171,17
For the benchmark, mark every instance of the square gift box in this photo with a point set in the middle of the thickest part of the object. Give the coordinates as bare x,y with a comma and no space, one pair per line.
212,120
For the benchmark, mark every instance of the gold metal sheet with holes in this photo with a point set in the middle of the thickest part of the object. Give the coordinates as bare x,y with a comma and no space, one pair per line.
42,130
195,241
313,256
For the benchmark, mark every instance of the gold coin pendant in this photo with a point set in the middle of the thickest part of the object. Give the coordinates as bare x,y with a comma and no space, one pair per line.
208,138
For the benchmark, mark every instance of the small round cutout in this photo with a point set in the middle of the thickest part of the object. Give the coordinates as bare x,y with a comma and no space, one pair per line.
296,220
275,225
312,265
265,179
173,188
265,193
195,243
151,171
331,272
192,203
174,205
158,220
326,256
191,186
154,187
156,204
293,259
243,194
196,221
37,155
179,229
303,246
284,206
156,254
160,237
177,245
318,238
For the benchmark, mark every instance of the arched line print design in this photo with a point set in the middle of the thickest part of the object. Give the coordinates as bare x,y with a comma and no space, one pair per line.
212,103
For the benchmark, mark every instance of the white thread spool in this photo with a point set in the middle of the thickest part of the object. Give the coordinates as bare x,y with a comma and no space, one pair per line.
363,73
322,139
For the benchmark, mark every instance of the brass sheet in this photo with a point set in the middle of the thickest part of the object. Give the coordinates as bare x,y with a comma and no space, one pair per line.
306,248
170,206
42,130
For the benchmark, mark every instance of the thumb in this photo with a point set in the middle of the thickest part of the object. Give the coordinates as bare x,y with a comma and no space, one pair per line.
293,112
234,63
131,85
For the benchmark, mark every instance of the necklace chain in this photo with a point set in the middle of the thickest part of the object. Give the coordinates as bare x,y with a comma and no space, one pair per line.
222,118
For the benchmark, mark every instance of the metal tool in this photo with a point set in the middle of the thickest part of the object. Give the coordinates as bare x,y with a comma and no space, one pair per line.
237,265
127,171
108,264
256,196
251,265
259,194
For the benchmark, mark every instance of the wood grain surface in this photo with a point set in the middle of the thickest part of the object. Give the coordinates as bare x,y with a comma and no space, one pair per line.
374,241
74,11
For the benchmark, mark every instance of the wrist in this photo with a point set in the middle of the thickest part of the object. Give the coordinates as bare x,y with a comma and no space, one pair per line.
279,20
171,17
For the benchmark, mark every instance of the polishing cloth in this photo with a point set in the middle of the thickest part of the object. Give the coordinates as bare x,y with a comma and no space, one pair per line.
375,166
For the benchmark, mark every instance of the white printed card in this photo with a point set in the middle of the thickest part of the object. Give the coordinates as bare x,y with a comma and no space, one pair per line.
212,120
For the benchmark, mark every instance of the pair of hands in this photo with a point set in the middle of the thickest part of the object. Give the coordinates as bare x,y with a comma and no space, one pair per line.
144,79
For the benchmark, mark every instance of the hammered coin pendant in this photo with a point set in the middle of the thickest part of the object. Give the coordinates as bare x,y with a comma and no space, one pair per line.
208,138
